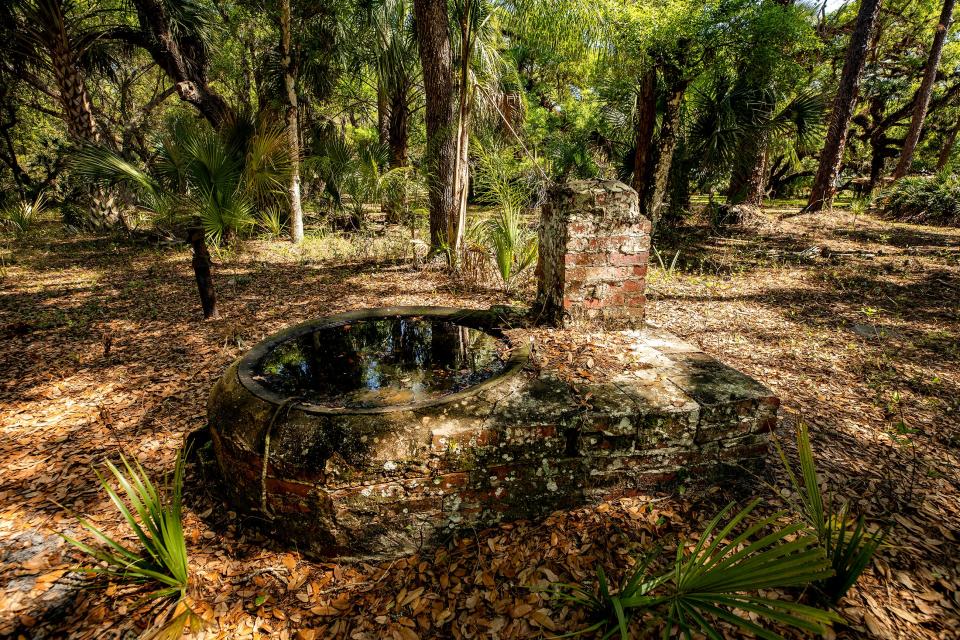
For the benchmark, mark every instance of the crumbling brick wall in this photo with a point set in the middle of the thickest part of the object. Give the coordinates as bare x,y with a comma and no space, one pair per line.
594,246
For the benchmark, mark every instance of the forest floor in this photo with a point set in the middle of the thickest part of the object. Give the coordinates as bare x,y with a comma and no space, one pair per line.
854,322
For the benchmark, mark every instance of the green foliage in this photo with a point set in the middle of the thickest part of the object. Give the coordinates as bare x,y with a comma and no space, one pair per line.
507,234
355,175
154,516
924,200
715,582
847,542
221,178
20,217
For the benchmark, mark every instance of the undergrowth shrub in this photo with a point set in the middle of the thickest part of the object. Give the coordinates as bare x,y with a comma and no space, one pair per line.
718,580
848,543
20,218
159,560
931,200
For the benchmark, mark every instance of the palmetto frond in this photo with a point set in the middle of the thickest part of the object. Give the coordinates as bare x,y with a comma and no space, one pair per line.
715,581
154,515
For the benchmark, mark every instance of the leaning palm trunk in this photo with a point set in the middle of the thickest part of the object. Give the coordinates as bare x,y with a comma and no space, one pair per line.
824,183
925,93
201,271
293,137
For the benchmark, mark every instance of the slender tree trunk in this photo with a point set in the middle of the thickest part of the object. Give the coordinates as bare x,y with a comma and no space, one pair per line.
824,183
458,222
656,190
293,129
436,58
643,131
926,91
201,272
944,157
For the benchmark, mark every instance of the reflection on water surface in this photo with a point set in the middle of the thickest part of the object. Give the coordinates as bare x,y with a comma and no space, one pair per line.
381,362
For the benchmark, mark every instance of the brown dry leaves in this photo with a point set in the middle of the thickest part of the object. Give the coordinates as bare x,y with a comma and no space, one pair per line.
67,401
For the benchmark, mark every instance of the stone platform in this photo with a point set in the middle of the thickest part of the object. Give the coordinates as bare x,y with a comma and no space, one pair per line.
378,484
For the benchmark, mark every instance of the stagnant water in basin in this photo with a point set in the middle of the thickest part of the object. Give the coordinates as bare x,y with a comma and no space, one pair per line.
382,362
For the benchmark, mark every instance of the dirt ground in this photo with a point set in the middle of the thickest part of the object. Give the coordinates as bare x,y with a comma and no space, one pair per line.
854,322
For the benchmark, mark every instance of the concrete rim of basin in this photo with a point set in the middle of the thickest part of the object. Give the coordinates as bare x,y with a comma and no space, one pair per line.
482,320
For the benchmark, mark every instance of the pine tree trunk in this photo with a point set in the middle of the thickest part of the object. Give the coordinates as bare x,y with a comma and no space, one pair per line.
824,183
293,129
947,147
201,272
437,60
656,190
926,91
643,132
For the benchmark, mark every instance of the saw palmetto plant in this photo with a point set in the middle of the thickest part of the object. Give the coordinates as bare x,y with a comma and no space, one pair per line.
220,177
849,544
154,515
717,582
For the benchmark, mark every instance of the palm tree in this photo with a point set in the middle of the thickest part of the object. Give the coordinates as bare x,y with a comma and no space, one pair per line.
54,39
390,48
202,184
433,39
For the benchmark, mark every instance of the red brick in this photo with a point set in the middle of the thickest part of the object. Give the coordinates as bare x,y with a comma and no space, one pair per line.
625,259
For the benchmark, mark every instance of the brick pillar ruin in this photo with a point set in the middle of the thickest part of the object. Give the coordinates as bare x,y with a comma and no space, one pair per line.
594,245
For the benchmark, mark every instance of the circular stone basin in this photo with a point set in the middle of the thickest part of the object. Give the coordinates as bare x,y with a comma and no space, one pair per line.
352,411
374,362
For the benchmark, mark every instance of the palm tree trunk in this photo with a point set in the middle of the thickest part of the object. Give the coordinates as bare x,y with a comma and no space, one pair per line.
383,113
656,190
437,61
293,129
748,180
81,125
201,272
824,183
398,140
947,147
643,131
926,91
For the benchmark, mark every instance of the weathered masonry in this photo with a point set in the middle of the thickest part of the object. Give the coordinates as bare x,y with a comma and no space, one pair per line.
594,247
378,482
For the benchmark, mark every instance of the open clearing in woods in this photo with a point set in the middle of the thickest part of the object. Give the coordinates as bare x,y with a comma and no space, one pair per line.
855,323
